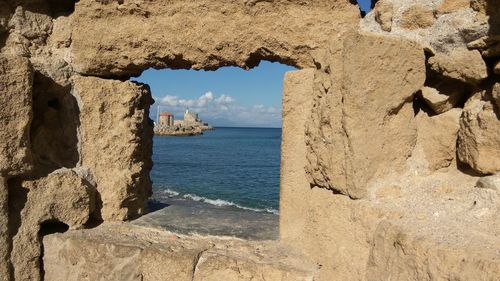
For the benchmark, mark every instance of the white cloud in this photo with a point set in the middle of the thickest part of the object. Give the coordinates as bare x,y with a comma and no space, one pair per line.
223,110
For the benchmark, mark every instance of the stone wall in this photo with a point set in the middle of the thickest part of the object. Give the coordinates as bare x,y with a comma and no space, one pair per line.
390,131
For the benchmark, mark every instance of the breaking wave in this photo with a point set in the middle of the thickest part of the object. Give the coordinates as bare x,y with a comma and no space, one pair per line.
224,203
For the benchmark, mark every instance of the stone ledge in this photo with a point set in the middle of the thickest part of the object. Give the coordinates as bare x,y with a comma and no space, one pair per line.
121,251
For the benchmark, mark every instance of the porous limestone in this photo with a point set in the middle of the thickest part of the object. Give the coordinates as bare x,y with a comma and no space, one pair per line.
370,187
202,34
114,117
479,135
417,16
460,64
41,206
126,252
378,77
4,231
438,137
443,99
489,182
16,81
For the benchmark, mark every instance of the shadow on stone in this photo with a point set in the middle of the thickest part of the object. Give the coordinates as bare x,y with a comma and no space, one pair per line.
47,228
18,197
154,205
54,128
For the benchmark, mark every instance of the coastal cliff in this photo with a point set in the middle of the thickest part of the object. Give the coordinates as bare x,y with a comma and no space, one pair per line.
390,147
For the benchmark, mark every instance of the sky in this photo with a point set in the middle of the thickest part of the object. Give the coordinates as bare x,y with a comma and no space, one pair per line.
365,5
229,96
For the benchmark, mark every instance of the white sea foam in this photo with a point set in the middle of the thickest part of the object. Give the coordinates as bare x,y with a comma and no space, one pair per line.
224,203
170,192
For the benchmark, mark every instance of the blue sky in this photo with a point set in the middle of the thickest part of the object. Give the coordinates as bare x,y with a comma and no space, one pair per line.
229,96
364,4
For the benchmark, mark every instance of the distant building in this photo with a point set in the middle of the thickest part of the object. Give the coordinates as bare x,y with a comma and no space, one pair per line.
166,119
191,118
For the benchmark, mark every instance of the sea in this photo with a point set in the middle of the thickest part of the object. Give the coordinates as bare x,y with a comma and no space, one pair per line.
235,168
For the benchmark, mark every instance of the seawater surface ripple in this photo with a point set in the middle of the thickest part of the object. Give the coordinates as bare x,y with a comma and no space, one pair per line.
227,167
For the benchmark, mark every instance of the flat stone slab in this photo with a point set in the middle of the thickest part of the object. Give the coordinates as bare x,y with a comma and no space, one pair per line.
205,219
127,252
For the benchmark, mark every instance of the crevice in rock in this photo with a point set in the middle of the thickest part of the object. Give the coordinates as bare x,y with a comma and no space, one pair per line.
47,228
18,196
61,7
54,136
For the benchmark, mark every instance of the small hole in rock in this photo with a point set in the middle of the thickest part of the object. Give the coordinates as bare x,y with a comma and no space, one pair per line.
51,227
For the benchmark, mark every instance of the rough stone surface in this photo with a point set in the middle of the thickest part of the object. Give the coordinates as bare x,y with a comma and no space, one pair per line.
417,16
438,137
399,256
451,6
489,182
4,231
202,34
126,252
496,95
496,68
384,11
35,206
479,136
114,118
16,80
439,26
440,102
461,64
373,103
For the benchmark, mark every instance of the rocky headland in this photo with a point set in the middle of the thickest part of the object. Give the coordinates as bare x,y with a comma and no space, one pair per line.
390,145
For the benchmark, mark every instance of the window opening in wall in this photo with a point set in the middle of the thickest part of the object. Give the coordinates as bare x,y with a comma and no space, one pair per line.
365,6
216,150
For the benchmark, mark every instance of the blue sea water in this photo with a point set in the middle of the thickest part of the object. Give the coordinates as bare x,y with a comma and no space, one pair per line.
233,167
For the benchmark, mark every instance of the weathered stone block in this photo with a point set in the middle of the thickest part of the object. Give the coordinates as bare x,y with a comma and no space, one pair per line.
202,34
399,255
418,16
44,206
16,80
126,252
4,231
465,65
373,132
116,143
441,102
479,136
438,137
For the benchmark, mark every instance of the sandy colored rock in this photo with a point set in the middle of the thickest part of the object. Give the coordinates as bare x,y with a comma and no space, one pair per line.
496,95
202,34
496,67
370,108
398,256
451,6
438,137
479,136
311,217
465,65
4,231
440,102
114,118
418,16
445,26
39,207
489,182
383,14
127,252
16,79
